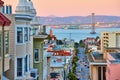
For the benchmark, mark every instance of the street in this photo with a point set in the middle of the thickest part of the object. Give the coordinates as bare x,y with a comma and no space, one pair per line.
82,69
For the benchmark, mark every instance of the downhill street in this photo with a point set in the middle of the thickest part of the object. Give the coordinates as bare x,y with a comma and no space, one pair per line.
82,69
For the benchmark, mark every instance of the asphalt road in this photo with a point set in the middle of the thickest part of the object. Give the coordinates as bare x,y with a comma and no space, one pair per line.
82,69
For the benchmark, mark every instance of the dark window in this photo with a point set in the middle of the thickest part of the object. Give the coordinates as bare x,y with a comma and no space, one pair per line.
7,9
99,73
19,35
3,9
10,9
26,64
104,71
19,67
26,34
36,54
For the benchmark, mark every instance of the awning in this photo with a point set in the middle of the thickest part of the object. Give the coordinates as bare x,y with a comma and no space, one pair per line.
4,20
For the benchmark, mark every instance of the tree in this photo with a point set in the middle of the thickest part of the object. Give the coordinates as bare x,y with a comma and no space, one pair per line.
97,38
80,41
71,76
76,45
59,42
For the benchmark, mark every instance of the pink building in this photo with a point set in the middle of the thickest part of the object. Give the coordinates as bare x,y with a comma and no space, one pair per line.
113,66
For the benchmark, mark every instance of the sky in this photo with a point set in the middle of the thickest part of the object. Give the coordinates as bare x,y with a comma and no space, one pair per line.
73,7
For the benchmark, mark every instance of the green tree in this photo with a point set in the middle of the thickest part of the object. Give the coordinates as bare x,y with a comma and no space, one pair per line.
76,45
80,41
71,76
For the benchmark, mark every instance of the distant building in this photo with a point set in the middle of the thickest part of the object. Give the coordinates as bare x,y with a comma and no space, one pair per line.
110,39
59,60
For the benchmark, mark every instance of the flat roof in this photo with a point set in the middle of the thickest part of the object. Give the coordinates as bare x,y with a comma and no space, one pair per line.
96,59
115,55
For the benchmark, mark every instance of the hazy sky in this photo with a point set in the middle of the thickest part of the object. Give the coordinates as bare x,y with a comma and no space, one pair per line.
73,7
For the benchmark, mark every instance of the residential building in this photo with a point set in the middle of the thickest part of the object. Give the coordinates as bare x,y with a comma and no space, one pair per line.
39,34
21,45
113,65
97,65
4,56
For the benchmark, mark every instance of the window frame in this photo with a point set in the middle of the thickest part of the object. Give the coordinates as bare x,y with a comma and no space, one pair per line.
21,34
26,34
37,61
19,66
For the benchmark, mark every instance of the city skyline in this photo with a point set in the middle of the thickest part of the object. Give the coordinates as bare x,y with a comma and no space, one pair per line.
73,8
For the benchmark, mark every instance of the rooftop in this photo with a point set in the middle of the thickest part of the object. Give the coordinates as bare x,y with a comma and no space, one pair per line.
115,55
96,58
57,64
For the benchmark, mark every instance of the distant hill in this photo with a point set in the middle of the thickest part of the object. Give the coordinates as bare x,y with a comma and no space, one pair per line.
77,19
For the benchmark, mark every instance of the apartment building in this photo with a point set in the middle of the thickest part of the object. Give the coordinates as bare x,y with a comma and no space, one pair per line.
110,39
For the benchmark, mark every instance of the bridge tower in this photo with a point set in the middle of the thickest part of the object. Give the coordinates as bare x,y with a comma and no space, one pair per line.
93,24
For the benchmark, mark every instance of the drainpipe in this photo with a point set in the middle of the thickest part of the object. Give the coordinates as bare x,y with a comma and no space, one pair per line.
3,55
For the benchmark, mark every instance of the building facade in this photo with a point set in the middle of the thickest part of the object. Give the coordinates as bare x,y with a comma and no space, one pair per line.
110,39
4,56
21,46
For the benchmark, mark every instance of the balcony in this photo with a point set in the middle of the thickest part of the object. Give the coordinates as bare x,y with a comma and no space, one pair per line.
41,35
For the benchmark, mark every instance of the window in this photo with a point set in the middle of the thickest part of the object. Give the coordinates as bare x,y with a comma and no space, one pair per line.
19,35
6,38
26,34
10,9
104,71
99,73
36,54
7,9
19,67
3,9
26,63
29,33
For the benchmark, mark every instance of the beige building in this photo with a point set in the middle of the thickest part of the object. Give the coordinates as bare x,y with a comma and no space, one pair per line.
110,39
21,44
